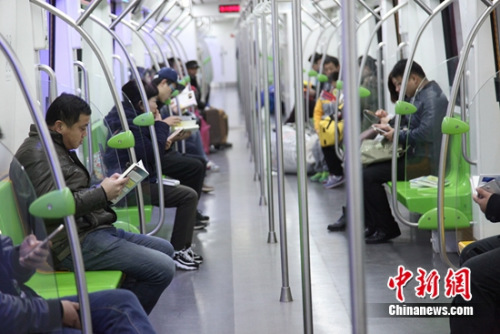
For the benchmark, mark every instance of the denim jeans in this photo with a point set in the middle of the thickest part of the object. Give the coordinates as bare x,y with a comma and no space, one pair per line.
146,261
115,311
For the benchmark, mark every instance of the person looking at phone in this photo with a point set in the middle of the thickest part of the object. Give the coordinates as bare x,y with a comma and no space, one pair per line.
23,311
183,198
482,257
420,133
146,261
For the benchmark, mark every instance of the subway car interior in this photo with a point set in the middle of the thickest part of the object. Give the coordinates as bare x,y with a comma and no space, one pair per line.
278,95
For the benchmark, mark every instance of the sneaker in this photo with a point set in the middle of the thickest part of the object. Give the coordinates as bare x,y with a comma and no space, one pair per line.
334,181
184,261
324,177
200,225
211,166
316,177
207,189
198,259
201,217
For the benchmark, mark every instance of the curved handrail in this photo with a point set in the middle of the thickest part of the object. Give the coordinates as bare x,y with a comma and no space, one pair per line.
399,51
53,80
48,146
109,79
138,28
449,112
374,32
122,68
397,122
464,89
148,49
156,151
86,97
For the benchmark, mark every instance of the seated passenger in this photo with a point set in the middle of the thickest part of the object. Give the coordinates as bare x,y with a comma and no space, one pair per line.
183,198
482,257
422,135
23,311
189,169
146,261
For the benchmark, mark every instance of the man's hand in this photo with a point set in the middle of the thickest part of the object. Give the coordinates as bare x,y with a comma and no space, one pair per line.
168,144
183,135
71,318
37,258
113,185
172,120
482,197
383,115
385,130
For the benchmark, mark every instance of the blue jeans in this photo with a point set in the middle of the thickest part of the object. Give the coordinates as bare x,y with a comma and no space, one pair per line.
115,311
194,145
146,261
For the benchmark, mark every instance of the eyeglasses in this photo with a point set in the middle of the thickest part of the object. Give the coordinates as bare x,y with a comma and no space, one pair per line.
172,87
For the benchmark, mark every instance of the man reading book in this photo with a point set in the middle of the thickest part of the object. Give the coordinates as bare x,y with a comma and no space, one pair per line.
146,261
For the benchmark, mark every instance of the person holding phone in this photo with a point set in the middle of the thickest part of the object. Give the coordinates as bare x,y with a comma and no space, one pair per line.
146,261
419,132
482,257
23,311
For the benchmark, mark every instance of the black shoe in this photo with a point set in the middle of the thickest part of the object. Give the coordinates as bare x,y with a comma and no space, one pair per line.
380,237
340,224
201,217
369,232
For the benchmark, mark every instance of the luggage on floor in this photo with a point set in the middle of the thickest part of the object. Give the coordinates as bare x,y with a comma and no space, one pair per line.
217,119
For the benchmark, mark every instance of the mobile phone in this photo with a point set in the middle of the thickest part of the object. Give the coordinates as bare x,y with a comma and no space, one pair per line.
379,130
46,240
370,116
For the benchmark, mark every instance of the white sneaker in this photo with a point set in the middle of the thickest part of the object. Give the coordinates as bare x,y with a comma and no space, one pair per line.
196,258
211,166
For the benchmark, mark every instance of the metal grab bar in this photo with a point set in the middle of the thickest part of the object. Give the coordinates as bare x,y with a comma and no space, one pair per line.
463,115
449,112
374,32
271,237
122,68
401,45
86,97
301,169
397,122
286,294
148,49
109,80
86,13
48,146
158,8
52,79
156,151
138,28
353,171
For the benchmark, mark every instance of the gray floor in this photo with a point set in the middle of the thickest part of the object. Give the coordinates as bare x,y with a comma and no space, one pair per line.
238,287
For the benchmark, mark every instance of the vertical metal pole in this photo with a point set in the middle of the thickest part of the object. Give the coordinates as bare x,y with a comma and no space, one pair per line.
355,216
258,123
286,294
380,77
271,237
301,169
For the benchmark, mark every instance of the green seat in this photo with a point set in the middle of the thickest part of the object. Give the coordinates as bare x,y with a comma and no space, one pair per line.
457,195
43,283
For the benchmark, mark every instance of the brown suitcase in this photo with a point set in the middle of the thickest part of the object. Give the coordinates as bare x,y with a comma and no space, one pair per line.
217,119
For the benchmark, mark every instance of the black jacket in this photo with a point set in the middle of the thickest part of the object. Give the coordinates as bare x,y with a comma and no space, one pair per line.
92,209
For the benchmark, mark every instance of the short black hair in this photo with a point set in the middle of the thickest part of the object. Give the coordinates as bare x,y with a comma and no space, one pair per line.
131,91
315,57
370,63
331,59
398,71
66,108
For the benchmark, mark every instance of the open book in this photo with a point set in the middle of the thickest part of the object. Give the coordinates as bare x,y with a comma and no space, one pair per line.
136,173
428,181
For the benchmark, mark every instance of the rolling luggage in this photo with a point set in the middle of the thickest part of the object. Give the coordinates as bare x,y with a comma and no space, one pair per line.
217,119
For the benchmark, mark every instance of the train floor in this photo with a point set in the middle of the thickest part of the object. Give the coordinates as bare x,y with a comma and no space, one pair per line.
237,288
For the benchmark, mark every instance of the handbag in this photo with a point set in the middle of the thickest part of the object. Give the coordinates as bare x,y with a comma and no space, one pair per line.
327,128
373,151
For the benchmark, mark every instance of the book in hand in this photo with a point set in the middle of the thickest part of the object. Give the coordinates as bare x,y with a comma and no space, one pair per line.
429,181
136,173
174,134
